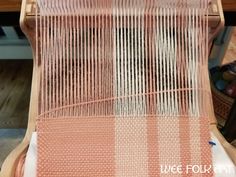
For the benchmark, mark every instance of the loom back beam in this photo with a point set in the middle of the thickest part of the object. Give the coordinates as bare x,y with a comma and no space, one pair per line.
215,16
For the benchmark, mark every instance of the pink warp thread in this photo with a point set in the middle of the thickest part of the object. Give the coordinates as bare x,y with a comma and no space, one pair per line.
123,87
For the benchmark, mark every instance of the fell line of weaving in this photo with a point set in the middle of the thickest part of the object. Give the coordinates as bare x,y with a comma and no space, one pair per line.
123,87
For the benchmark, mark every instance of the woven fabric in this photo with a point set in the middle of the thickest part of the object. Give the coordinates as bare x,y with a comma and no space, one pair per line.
113,147
123,88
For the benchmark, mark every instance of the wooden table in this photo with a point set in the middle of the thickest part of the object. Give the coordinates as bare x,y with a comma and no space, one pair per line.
14,5
10,5
10,12
229,5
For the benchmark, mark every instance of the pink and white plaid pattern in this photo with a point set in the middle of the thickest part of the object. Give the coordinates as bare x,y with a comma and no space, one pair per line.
124,87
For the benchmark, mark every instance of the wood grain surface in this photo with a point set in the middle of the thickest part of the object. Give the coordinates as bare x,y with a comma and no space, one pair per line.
14,5
15,86
10,5
229,5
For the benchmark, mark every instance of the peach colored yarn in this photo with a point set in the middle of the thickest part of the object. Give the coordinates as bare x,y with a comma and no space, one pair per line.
20,166
123,87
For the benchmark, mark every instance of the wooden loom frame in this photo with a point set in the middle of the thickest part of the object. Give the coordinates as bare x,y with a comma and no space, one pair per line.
27,23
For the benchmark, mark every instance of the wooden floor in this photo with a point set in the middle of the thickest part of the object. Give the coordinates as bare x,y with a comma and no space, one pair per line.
15,85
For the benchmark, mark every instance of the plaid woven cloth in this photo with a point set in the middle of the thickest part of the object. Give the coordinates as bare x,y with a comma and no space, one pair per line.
124,88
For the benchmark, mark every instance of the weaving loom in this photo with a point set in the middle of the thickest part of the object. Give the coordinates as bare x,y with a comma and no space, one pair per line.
120,88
